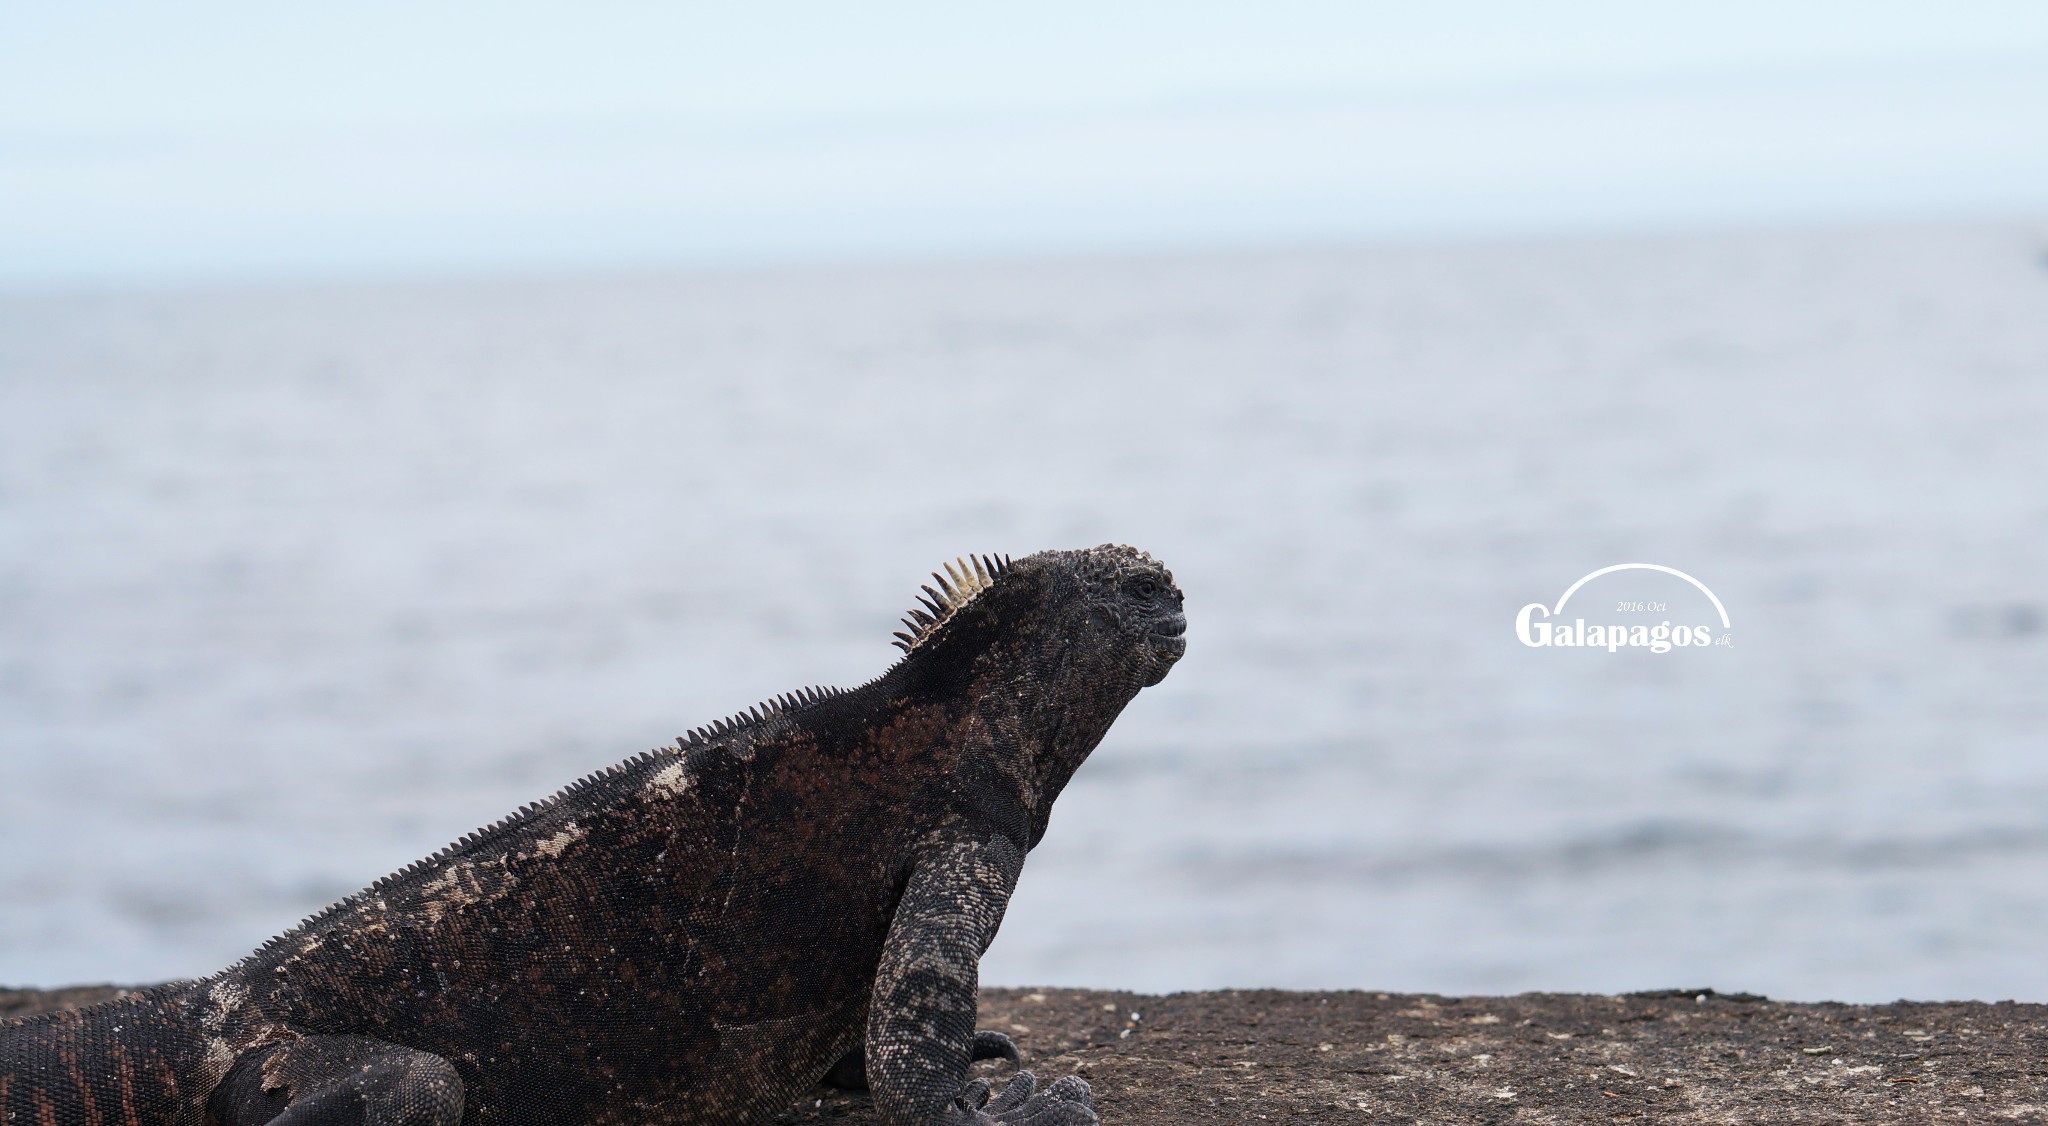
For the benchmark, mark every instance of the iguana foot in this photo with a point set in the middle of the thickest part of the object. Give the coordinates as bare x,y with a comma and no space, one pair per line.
1068,1102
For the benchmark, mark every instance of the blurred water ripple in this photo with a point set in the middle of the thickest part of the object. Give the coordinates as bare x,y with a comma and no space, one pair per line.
297,586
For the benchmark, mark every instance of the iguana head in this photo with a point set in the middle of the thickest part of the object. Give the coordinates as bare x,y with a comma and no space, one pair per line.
1040,655
1131,601
1107,616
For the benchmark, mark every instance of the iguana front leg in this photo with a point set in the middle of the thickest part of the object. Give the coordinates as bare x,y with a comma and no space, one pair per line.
921,1018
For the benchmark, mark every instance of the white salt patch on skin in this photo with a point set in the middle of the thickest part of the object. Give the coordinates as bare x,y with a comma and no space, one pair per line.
455,887
552,846
226,997
219,1056
227,994
671,781
449,879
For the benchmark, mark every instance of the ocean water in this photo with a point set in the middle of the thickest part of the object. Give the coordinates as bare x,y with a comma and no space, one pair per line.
297,585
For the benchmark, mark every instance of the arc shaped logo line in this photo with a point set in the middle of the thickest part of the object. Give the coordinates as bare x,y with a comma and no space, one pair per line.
1572,589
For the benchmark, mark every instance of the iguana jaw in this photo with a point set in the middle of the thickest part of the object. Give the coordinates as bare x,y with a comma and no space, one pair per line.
1169,643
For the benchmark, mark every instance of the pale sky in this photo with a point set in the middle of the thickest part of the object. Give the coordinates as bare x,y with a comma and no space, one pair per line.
237,140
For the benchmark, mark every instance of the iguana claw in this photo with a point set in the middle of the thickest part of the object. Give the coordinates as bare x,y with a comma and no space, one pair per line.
1068,1102
990,1045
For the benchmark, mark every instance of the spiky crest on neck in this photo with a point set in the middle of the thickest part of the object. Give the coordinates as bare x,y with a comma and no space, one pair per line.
971,576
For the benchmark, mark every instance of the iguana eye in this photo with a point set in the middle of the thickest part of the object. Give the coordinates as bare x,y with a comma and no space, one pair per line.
1145,588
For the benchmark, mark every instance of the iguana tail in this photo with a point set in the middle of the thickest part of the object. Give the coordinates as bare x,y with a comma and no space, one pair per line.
138,1061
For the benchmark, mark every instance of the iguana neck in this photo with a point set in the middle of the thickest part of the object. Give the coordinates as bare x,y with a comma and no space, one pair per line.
1024,716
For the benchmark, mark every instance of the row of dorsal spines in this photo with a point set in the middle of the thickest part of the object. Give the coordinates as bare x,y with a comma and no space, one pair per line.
767,709
442,855
963,581
760,713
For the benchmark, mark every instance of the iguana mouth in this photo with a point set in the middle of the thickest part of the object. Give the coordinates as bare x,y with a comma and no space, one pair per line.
1169,638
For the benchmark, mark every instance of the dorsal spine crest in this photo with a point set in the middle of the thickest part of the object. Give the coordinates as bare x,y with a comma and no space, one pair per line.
963,581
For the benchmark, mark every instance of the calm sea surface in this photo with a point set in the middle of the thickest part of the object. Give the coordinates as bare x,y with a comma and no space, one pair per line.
296,586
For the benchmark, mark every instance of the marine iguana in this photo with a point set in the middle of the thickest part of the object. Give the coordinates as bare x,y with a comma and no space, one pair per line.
695,935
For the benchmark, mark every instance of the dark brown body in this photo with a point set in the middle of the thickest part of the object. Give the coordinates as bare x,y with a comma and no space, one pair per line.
695,932
693,936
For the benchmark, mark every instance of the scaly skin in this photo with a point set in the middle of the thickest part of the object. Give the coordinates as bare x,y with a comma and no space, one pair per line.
696,935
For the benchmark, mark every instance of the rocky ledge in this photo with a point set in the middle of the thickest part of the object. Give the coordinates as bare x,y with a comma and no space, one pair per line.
1678,1056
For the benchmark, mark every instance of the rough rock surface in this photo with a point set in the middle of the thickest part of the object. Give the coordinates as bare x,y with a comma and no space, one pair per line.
1683,1056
